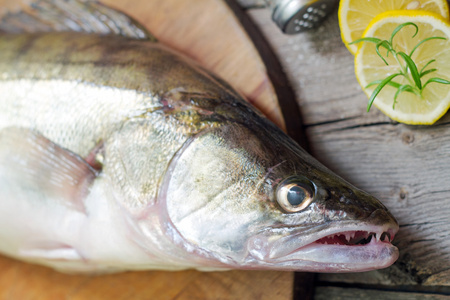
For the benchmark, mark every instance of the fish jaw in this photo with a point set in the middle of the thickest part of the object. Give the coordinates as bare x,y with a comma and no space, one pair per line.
347,247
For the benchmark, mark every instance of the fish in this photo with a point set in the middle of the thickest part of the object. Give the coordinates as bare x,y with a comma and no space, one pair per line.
118,153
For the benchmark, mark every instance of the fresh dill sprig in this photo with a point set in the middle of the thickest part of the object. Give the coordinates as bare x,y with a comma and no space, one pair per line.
408,68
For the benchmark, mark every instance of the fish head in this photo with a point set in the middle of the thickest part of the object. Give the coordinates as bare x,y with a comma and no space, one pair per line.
251,198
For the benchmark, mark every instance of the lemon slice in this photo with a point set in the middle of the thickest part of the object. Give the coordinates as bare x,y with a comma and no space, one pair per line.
435,98
355,15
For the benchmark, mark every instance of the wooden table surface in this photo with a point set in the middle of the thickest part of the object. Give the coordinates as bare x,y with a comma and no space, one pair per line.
404,166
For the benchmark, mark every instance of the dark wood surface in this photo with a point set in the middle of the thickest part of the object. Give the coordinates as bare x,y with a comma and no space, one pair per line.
336,293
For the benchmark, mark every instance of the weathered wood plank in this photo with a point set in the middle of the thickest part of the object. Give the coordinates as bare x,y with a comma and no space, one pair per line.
320,70
336,293
404,166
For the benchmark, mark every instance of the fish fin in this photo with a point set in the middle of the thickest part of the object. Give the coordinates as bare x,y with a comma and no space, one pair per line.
38,164
70,15
49,250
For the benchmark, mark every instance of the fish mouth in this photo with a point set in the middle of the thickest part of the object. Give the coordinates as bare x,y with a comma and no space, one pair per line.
354,238
338,248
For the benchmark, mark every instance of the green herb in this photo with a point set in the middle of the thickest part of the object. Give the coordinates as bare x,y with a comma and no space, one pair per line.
408,68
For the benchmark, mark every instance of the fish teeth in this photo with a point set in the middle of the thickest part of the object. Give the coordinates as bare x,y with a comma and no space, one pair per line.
347,236
378,236
350,235
386,237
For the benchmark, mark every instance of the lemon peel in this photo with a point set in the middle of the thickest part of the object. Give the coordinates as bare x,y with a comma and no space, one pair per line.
355,15
410,108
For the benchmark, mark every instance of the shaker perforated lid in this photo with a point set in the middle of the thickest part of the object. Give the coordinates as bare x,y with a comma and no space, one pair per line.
295,16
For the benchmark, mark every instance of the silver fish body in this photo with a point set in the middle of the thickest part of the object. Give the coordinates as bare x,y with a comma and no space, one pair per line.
119,154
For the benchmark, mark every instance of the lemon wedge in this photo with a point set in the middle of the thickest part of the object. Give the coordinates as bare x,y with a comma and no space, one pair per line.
409,108
355,15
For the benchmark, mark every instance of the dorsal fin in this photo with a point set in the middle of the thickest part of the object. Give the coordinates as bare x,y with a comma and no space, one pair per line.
70,15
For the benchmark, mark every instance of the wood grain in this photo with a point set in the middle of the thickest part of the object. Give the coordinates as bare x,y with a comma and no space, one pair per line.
335,293
30,282
209,32
404,166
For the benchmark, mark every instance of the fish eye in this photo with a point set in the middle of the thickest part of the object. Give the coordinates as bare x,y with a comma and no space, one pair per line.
294,194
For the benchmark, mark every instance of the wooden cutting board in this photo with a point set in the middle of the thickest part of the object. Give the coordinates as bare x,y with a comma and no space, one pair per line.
22,281
207,31
210,33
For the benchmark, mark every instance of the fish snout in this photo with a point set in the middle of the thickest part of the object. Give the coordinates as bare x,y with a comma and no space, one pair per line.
382,217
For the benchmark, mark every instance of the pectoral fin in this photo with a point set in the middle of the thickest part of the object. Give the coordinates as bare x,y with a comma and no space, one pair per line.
35,163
